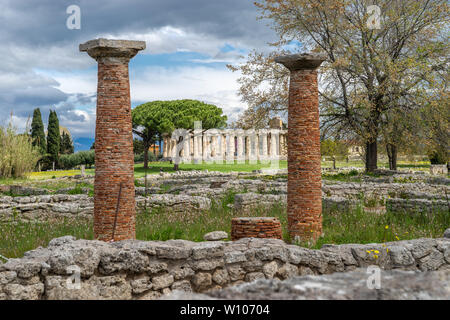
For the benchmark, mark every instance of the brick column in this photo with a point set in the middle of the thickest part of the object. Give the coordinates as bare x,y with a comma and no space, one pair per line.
114,161
304,204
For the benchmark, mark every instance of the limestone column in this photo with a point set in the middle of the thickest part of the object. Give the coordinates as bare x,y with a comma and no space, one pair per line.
247,145
114,204
214,146
230,146
274,135
200,146
264,137
195,145
166,147
304,204
257,145
240,146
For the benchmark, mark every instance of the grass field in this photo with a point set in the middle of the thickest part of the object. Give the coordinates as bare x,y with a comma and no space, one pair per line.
155,168
355,226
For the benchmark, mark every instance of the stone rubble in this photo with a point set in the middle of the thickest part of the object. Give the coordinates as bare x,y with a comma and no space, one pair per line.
133,269
394,285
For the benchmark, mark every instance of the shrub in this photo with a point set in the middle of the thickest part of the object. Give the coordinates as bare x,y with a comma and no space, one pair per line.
69,161
139,158
438,157
18,156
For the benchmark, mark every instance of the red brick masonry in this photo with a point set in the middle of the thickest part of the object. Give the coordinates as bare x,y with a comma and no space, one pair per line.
304,204
260,227
114,217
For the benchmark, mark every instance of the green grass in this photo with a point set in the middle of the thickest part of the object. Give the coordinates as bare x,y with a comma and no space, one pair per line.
18,237
355,226
155,167
358,226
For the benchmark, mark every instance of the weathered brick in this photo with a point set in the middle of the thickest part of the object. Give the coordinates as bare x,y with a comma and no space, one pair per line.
114,159
304,204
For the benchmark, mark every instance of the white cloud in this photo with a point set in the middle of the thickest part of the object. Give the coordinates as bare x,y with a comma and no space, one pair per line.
170,39
217,86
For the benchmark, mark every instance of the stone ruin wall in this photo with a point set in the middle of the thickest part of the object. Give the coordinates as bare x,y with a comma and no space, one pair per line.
195,191
134,269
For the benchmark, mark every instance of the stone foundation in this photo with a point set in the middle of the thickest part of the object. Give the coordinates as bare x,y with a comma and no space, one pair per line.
134,269
256,227
53,207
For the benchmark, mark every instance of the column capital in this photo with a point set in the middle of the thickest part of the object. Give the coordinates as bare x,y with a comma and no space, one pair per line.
112,51
302,61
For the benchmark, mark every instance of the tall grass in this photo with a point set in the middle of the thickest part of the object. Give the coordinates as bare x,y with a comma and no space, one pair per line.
352,226
18,157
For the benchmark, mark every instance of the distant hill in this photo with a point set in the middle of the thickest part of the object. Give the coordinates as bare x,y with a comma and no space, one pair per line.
82,144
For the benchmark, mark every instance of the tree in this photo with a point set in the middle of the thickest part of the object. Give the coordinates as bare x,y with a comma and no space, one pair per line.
38,133
138,146
53,137
66,144
369,72
18,156
153,119
333,149
436,118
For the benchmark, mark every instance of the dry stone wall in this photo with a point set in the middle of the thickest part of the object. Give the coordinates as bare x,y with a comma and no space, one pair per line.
50,207
148,270
395,285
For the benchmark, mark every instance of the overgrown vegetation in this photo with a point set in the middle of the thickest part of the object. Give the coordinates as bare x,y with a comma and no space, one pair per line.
353,226
18,156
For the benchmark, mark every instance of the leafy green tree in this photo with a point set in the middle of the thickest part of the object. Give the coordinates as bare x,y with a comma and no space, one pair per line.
333,148
66,146
153,119
38,132
138,146
53,137
369,72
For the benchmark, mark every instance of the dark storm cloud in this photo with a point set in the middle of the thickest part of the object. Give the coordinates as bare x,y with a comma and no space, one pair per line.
34,39
44,21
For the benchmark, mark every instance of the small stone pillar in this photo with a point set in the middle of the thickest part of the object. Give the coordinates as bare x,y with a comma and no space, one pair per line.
114,204
256,227
304,203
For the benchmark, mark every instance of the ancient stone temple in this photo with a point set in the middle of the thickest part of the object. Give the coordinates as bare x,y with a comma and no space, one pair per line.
230,144
304,203
114,204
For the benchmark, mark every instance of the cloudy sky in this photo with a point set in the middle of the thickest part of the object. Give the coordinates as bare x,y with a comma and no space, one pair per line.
189,43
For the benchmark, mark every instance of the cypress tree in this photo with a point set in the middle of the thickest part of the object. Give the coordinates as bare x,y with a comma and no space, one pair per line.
37,132
53,137
66,144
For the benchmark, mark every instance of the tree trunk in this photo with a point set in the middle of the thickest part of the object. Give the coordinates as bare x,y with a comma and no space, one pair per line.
146,147
392,155
371,156
334,163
